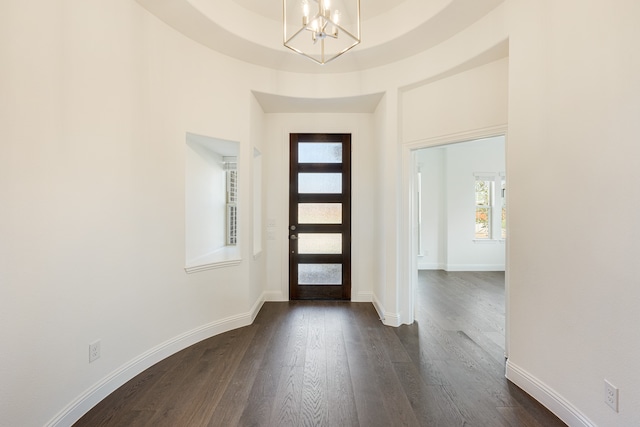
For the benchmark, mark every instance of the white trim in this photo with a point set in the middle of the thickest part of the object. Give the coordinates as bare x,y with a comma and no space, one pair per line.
431,266
387,318
379,308
255,309
363,297
407,261
483,133
276,296
223,257
496,241
474,267
392,319
96,393
547,396
211,266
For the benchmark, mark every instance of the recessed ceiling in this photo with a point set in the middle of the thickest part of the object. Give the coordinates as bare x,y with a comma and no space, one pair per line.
272,9
251,30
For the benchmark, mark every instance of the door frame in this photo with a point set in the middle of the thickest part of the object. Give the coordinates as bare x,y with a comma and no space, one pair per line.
332,292
408,247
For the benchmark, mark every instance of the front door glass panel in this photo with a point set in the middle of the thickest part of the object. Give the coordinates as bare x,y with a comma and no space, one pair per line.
319,243
319,152
320,213
319,274
320,183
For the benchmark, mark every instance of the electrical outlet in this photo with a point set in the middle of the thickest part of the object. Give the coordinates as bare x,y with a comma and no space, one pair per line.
94,351
611,395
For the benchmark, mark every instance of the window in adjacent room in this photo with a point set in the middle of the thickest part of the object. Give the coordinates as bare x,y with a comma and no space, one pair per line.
490,206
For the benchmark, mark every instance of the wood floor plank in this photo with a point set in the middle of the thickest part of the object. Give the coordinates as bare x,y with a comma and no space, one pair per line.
377,352
368,396
518,417
261,399
315,409
431,405
228,412
340,396
475,403
288,397
197,391
324,363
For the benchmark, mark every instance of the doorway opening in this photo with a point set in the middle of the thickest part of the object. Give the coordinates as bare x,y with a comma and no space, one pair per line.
320,216
458,208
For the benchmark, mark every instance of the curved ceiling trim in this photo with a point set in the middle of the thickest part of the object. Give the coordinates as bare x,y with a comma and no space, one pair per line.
258,40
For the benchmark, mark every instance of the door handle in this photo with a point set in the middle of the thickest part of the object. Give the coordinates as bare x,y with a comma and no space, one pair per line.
293,237
293,227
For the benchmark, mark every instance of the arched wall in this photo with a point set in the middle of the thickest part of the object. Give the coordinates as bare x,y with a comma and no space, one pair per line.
97,100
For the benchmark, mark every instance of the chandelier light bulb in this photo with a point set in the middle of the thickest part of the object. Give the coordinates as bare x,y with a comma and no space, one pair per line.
305,12
316,28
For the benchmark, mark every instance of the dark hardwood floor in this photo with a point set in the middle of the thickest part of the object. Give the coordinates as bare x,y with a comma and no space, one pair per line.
319,363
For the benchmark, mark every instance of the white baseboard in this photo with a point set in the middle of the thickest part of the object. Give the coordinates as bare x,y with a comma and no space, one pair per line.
387,318
547,396
91,397
256,307
392,319
462,267
362,297
431,266
474,267
379,308
275,296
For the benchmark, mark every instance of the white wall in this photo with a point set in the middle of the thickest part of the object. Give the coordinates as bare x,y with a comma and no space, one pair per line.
257,282
574,103
448,206
462,161
96,100
433,227
470,100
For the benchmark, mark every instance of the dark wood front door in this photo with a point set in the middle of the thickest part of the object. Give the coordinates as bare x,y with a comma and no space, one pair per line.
320,216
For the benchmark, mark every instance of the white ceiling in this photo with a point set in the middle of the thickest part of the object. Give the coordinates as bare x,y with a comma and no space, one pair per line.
251,30
272,9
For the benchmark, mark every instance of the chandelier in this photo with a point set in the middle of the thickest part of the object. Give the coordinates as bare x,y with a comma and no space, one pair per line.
321,30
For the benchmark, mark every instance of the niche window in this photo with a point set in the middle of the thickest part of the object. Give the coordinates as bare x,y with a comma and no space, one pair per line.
231,176
211,203
490,206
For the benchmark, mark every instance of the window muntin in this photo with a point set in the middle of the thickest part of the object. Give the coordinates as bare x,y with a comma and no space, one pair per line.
490,206
484,202
231,175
